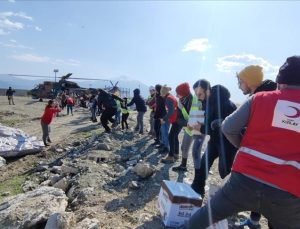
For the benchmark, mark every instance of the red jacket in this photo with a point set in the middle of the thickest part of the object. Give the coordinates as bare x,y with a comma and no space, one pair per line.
173,117
270,149
49,114
70,101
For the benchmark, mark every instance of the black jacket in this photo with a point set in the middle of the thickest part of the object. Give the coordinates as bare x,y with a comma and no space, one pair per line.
267,85
187,103
106,100
10,92
138,101
160,110
217,108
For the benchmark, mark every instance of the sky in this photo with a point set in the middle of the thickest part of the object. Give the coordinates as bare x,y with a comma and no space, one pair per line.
166,42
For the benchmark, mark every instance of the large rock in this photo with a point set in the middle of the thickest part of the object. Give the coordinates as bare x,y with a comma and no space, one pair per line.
67,169
88,224
62,184
143,170
32,209
64,220
2,161
103,146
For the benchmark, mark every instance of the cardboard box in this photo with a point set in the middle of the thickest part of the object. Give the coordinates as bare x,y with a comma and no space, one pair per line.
177,202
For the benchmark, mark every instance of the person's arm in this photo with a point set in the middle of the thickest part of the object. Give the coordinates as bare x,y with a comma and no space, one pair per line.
117,98
236,122
170,107
131,102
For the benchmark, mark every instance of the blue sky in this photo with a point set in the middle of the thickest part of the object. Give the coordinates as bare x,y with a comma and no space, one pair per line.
153,42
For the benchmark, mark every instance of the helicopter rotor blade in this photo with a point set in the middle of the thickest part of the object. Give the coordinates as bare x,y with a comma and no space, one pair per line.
52,77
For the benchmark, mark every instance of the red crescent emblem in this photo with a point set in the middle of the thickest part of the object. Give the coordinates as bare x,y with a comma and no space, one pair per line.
297,115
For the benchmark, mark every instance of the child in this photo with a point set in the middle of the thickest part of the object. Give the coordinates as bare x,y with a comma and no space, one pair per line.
125,113
50,110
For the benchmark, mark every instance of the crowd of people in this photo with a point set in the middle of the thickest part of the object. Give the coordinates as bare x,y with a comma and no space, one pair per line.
257,144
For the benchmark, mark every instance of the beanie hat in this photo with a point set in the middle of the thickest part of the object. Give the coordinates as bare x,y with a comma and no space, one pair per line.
289,72
165,90
183,89
252,75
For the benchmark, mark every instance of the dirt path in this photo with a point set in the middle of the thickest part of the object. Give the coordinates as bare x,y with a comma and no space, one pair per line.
111,202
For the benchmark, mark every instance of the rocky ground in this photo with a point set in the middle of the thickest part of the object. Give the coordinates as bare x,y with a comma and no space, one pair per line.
88,178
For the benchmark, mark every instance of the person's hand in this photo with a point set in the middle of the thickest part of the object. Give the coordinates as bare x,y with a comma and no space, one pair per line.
197,126
216,124
190,127
162,121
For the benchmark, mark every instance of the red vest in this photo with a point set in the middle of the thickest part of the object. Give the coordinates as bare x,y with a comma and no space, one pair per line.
270,149
173,117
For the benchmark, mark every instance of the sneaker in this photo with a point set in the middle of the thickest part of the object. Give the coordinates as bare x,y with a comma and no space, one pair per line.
160,146
249,224
168,159
155,143
179,168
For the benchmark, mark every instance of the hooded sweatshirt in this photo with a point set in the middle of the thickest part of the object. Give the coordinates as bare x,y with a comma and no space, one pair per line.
107,100
267,85
138,101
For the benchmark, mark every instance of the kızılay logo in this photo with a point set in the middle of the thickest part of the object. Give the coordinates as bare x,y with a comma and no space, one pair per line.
296,115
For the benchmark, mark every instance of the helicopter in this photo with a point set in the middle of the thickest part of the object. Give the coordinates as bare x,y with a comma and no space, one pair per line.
50,89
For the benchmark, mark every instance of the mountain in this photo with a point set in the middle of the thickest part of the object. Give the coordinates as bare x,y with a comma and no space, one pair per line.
17,83
27,84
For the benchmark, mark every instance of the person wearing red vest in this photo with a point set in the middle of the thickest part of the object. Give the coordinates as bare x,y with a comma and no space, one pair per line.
250,81
185,96
169,118
265,175
70,104
46,119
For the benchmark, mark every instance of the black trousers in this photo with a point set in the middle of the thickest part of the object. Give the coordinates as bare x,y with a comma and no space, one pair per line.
107,115
216,148
124,120
173,139
157,129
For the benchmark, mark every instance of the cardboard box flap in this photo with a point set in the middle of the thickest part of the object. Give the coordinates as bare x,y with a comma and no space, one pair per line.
181,193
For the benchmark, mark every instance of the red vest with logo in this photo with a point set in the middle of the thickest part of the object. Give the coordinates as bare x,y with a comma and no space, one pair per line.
173,117
270,149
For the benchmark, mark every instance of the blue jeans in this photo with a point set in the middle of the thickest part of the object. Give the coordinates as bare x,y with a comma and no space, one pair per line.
164,131
93,111
70,108
241,193
118,117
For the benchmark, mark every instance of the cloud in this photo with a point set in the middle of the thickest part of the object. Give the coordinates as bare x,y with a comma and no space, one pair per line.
14,44
197,45
38,28
44,59
11,1
69,62
8,22
12,14
235,63
31,58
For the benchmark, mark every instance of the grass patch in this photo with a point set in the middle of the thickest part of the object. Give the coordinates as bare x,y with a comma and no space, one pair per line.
13,186
89,134
10,122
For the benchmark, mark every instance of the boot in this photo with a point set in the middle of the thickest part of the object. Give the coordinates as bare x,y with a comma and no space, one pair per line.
196,185
45,143
48,140
182,166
